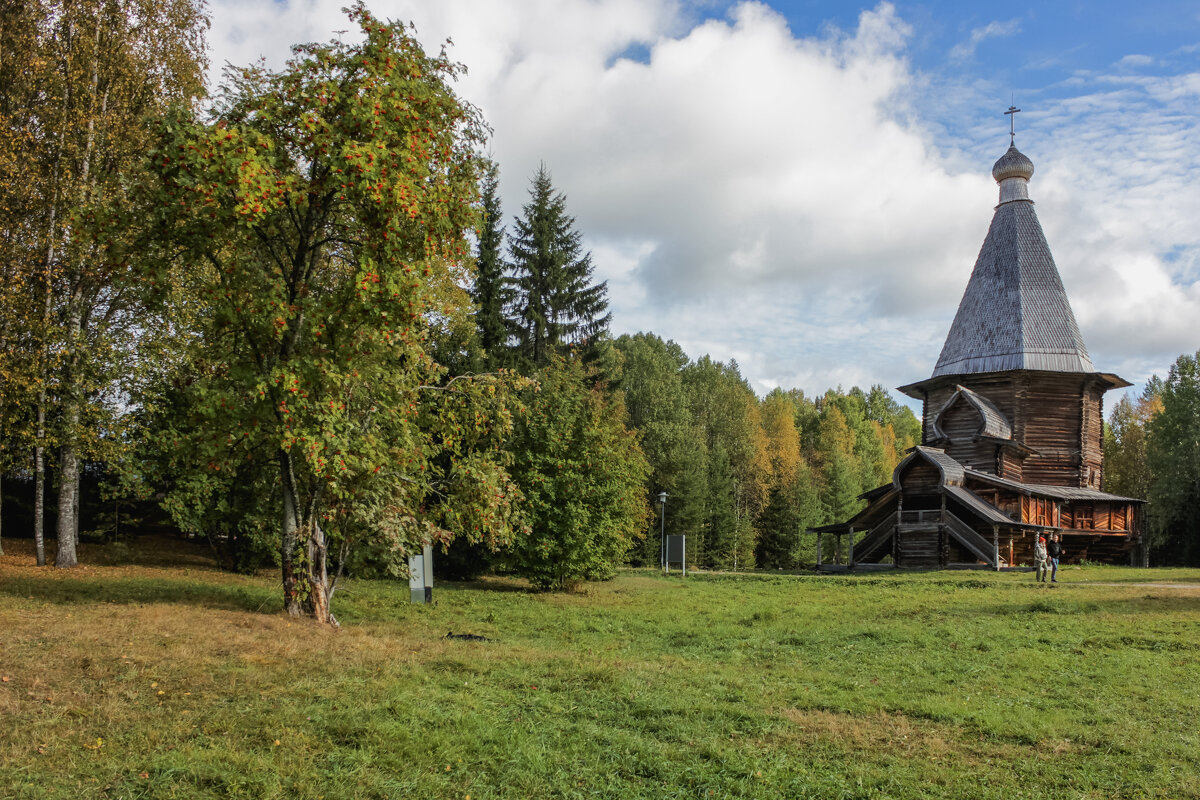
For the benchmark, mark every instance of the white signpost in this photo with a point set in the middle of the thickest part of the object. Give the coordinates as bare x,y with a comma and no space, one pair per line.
420,576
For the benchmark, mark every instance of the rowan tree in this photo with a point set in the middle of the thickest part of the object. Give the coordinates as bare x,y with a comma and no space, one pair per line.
319,220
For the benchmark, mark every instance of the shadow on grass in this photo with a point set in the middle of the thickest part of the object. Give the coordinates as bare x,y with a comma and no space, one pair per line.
132,591
498,584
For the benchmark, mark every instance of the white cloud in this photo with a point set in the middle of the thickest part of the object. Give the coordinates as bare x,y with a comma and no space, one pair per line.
965,50
1135,60
785,200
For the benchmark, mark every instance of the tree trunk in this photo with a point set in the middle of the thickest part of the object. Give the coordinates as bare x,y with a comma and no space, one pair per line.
67,481
39,451
75,508
287,543
39,485
317,602
1,514
68,478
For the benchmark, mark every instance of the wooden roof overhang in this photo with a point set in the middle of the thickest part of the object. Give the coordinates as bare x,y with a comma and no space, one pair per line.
876,498
1076,493
985,510
921,389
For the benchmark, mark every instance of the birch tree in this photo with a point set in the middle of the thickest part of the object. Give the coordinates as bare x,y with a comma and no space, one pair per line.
93,74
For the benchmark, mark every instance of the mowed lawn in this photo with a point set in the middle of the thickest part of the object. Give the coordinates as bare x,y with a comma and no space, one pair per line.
166,678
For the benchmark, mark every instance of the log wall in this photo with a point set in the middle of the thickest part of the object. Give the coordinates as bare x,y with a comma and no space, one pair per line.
1059,415
962,423
920,477
918,550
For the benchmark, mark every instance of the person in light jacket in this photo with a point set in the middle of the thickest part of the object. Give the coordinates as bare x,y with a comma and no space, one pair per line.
1041,559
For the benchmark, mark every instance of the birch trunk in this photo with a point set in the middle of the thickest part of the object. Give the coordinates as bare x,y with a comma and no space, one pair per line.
68,478
67,481
287,543
68,484
39,485
39,451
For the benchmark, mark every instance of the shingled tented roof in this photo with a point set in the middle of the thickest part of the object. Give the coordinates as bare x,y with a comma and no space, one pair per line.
1014,313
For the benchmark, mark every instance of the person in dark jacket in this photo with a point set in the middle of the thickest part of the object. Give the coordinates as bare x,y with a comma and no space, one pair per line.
1055,551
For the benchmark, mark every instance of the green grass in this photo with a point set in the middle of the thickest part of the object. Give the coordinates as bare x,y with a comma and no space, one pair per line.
963,684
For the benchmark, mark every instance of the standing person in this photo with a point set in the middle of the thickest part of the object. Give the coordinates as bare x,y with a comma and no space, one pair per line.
1055,551
1039,558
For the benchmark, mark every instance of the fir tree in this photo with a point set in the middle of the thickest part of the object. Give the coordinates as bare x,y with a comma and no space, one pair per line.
491,291
557,303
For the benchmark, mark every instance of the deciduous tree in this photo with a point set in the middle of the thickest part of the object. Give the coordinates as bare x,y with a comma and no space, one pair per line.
320,223
650,376
1173,455
97,71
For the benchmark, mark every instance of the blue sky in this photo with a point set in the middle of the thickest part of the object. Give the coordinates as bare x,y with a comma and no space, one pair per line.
804,186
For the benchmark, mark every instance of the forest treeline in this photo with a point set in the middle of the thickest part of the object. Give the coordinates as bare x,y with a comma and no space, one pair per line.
291,317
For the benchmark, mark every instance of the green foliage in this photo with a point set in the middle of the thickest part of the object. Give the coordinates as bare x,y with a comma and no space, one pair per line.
490,289
80,84
1173,456
583,477
317,233
1126,455
779,531
840,469
650,377
725,410
556,302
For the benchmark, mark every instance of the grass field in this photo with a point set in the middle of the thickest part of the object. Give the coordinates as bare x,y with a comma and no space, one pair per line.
165,678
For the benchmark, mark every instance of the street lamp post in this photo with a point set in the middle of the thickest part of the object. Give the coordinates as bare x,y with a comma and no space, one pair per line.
662,536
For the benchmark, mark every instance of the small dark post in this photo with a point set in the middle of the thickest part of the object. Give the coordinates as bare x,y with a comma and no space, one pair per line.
662,531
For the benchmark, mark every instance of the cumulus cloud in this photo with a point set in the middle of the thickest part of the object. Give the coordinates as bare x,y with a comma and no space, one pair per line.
789,199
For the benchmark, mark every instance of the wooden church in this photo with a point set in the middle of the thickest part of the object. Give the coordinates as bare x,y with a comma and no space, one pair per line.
1012,429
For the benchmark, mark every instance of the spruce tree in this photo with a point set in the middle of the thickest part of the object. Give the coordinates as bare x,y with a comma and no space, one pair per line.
557,303
491,291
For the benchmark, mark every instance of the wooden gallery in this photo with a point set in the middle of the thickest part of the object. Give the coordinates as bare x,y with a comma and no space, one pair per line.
1012,425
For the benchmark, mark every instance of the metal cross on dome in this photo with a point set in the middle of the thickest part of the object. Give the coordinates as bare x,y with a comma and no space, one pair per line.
1012,124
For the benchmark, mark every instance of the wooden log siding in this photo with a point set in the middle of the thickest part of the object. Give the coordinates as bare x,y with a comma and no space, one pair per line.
961,423
919,550
1008,465
998,388
920,477
1057,415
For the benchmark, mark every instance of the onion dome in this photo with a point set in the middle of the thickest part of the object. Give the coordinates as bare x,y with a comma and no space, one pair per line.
1013,164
